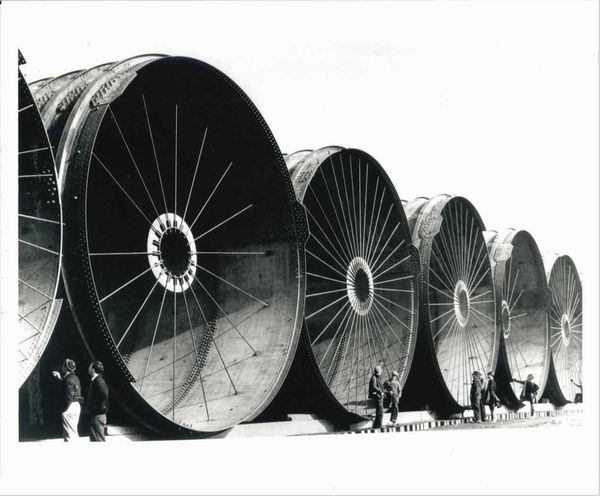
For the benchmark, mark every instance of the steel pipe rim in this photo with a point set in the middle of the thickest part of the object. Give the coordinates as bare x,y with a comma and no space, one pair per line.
448,232
522,301
235,318
361,294
40,236
565,321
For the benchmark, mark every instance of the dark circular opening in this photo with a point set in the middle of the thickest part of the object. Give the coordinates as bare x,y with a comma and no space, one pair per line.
361,285
174,250
463,304
505,319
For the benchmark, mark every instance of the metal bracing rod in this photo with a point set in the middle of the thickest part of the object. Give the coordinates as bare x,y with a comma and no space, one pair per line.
41,219
126,284
390,268
376,301
209,197
225,314
39,247
175,167
381,264
21,281
511,307
370,229
441,291
448,252
324,307
223,222
444,269
403,278
345,318
440,329
133,160
375,246
374,226
230,284
125,192
153,339
118,253
480,280
340,370
140,309
311,295
162,189
450,279
393,303
385,321
354,224
213,340
345,256
351,232
325,263
345,232
174,348
346,304
187,203
514,285
334,258
44,303
33,150
187,309
377,325
312,274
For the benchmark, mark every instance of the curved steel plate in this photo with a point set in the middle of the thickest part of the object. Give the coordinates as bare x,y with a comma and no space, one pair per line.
185,261
40,235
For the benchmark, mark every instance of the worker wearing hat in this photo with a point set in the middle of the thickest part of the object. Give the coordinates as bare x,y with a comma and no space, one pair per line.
376,394
72,399
393,391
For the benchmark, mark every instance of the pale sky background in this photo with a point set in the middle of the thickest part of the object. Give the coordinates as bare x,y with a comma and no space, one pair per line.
494,101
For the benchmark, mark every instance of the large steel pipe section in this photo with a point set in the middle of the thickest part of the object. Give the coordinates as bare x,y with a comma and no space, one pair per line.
566,328
361,298
522,302
185,259
40,236
457,312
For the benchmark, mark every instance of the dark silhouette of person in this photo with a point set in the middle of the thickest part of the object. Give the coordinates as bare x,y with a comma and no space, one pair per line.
72,399
578,396
393,391
490,398
376,393
529,391
97,402
476,393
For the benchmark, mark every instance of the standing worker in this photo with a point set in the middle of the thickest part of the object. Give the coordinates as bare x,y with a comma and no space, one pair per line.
578,396
393,390
97,402
490,398
376,393
72,399
476,391
529,391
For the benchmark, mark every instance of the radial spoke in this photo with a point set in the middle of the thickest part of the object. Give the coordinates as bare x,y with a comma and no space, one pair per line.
345,319
325,307
344,257
403,278
139,310
231,284
41,219
118,253
124,191
195,172
210,196
133,160
223,222
162,189
35,289
38,247
225,314
153,339
325,263
346,304
126,284
198,365
310,295
326,278
213,340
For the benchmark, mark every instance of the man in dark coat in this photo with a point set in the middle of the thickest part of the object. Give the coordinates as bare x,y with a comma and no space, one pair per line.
376,393
97,402
529,391
71,401
393,391
476,392
578,396
490,398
